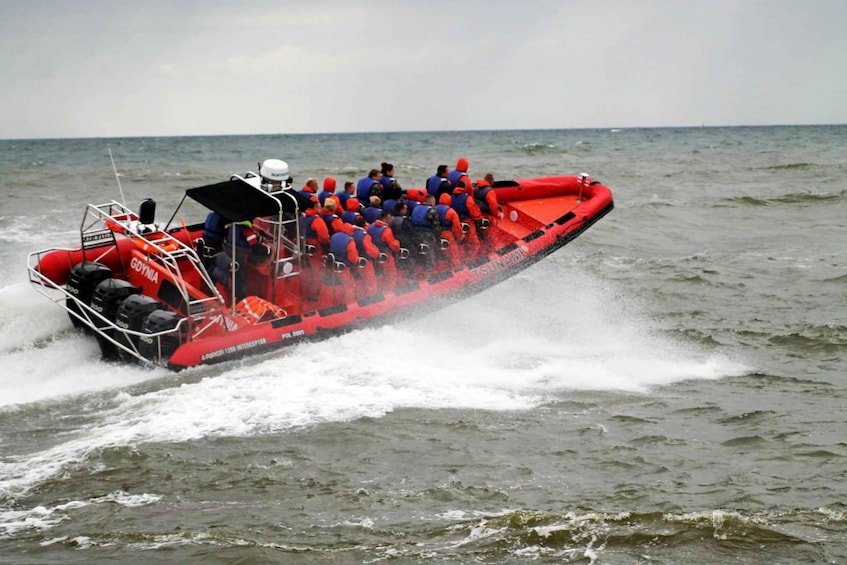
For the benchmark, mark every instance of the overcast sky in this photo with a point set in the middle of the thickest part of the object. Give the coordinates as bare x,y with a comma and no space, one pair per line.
84,68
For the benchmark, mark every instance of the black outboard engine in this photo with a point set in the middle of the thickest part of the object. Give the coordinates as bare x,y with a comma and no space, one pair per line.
84,279
159,321
131,315
106,301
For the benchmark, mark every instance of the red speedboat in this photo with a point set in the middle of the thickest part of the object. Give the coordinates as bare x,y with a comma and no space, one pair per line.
148,291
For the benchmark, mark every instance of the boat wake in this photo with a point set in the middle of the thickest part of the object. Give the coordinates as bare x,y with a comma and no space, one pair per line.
501,350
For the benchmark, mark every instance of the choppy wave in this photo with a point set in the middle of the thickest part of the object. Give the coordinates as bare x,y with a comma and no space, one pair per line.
790,198
577,536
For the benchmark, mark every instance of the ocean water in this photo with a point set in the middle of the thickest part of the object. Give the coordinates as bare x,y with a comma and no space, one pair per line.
670,387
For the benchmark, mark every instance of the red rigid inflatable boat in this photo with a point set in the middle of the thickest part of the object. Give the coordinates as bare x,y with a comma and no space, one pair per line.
147,292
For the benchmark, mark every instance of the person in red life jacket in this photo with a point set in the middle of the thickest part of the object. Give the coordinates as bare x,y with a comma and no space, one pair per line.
451,228
486,198
369,186
310,188
316,238
343,257
334,224
469,213
365,283
349,191
329,192
389,246
460,173
351,213
391,189
438,184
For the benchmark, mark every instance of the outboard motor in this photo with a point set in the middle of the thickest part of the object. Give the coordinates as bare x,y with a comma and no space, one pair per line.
131,316
106,301
83,280
159,321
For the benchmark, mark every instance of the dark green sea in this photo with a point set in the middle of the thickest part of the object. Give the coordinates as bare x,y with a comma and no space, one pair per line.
670,387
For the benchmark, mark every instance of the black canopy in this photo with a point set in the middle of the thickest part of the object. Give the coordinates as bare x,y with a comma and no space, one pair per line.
237,200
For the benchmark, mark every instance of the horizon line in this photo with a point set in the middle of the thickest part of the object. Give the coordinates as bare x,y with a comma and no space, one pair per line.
373,132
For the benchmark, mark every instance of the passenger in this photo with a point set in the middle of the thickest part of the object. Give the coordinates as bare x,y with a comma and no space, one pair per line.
365,283
371,214
316,233
486,198
310,188
214,233
243,237
438,184
369,186
469,214
404,231
451,229
427,234
391,189
460,173
348,192
329,192
352,213
339,288
332,220
316,239
389,247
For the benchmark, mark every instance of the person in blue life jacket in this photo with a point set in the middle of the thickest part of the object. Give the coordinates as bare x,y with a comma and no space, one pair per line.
349,191
426,226
460,173
369,186
214,233
391,189
438,184
343,249
243,238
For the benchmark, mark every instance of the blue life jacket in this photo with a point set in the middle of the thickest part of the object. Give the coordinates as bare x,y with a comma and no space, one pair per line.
214,230
436,186
442,215
479,195
386,181
349,217
322,196
342,197
375,232
364,189
359,235
306,227
454,176
338,246
328,218
420,219
371,214
460,205
388,206
241,243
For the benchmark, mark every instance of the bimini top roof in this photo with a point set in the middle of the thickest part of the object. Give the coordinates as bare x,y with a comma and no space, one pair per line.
237,200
